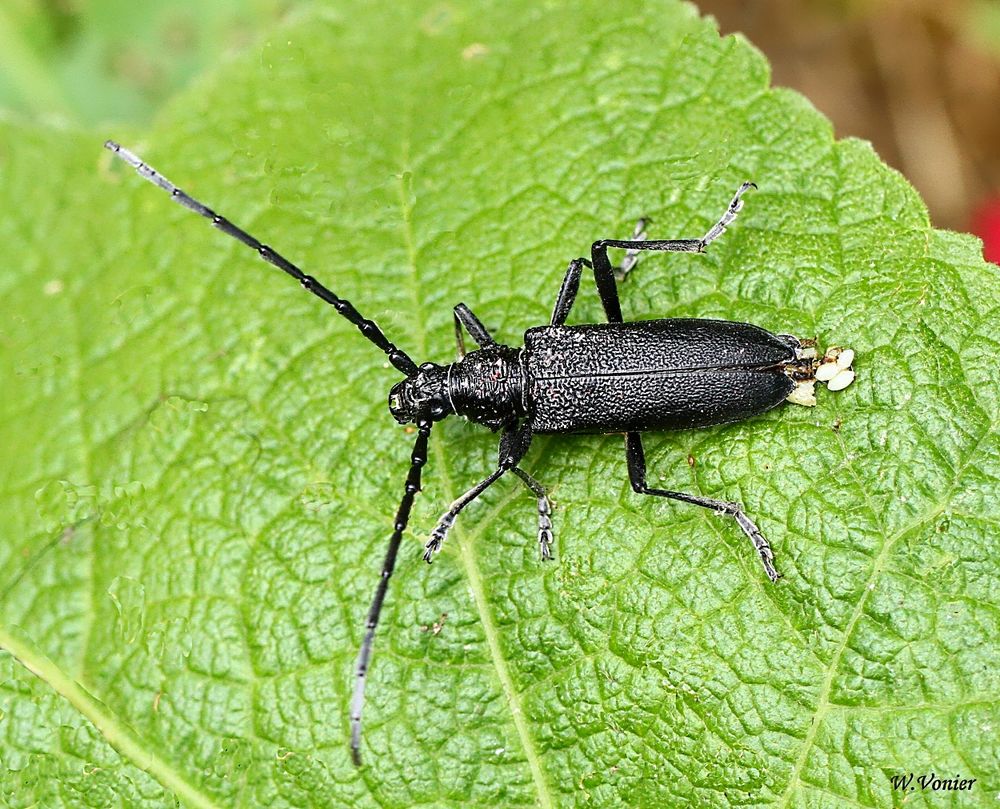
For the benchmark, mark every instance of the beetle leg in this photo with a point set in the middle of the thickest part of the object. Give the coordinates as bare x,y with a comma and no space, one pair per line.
544,512
636,459
477,331
513,446
448,518
567,292
632,254
604,273
571,281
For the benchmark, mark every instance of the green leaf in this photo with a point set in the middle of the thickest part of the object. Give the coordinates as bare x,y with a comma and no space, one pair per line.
198,472
114,59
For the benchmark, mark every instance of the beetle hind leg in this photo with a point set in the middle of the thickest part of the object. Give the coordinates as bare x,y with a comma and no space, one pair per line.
636,459
605,274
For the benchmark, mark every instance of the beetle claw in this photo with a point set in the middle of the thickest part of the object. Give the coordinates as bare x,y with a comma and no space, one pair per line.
545,544
438,536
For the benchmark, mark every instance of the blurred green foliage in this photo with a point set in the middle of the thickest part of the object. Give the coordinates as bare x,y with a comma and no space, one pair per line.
86,63
983,25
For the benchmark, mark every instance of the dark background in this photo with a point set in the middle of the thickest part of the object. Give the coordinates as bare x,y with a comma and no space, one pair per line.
919,79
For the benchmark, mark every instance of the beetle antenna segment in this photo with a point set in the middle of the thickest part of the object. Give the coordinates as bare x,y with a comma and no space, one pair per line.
417,460
400,360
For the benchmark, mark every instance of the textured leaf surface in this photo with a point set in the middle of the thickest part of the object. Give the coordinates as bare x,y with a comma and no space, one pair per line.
198,472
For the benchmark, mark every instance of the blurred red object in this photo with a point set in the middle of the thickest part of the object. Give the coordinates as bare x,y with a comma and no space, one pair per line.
986,225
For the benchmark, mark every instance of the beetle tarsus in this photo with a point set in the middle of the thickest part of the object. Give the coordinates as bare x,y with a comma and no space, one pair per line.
727,218
758,539
545,537
438,536
632,254
544,528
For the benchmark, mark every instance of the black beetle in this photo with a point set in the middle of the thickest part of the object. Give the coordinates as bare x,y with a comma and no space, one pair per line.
614,377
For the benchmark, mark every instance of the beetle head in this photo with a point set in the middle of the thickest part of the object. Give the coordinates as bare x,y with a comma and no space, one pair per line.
421,396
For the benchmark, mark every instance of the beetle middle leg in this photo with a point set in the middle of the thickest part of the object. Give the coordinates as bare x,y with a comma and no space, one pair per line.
632,254
636,458
514,444
544,512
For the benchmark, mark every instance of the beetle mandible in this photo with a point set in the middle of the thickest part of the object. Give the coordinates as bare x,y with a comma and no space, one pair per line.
613,377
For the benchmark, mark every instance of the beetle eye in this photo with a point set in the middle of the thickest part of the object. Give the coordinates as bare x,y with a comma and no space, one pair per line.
394,401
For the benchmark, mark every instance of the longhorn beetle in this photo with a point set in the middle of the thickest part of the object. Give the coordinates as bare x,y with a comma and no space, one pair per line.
613,377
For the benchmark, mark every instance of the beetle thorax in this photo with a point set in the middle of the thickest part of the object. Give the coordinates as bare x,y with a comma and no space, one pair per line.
487,386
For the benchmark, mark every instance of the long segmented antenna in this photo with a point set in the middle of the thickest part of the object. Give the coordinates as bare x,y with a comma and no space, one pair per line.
417,460
399,358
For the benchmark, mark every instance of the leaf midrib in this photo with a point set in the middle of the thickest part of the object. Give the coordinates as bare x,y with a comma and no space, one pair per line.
112,727
823,704
462,540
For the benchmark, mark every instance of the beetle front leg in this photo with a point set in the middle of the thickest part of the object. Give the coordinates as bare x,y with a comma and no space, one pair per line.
473,325
544,512
636,458
513,446
567,292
